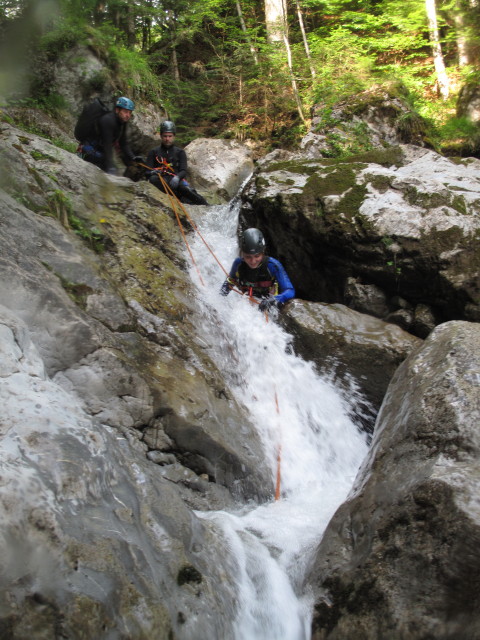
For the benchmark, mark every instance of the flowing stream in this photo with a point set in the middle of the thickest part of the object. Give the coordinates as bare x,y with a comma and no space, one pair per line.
298,413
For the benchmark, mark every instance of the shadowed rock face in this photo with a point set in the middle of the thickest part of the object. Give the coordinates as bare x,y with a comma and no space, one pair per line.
399,559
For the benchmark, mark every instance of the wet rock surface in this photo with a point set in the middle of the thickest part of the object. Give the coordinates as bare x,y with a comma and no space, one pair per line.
116,425
360,352
398,558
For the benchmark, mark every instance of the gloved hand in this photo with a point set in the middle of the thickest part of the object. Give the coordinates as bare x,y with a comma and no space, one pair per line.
225,288
174,182
268,303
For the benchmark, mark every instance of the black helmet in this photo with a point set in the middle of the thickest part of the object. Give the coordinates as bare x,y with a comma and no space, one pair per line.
253,241
168,126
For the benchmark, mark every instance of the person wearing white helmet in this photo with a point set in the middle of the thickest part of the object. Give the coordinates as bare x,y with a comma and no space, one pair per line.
168,164
109,132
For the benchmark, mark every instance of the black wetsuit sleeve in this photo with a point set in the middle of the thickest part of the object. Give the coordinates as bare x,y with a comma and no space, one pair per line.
181,164
108,132
123,142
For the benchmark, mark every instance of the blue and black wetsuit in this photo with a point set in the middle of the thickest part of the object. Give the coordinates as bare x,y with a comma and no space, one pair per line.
269,278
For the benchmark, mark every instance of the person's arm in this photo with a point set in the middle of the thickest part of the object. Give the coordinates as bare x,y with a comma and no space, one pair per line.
151,158
107,128
128,155
285,287
231,281
182,164
152,162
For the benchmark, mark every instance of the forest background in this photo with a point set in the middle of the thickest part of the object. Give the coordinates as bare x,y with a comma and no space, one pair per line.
254,69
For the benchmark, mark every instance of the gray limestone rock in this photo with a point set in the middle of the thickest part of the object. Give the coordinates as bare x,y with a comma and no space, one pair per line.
400,557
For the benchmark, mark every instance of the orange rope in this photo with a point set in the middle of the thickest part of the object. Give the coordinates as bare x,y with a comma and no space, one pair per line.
174,201
279,458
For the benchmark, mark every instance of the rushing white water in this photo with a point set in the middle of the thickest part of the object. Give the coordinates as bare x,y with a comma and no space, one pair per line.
297,413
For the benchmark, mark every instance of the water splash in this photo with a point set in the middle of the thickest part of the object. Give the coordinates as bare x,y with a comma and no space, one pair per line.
296,412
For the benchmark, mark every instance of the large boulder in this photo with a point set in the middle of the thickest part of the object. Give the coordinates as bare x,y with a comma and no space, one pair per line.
361,352
400,557
219,166
95,542
404,219
376,118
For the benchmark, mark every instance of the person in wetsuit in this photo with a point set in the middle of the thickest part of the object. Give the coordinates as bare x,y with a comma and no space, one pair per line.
170,162
110,136
257,274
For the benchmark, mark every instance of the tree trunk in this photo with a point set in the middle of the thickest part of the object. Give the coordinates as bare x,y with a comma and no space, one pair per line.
304,36
275,10
130,26
442,78
175,69
244,29
277,32
464,47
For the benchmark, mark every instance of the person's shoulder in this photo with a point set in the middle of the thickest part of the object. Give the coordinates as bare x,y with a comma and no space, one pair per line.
109,115
273,262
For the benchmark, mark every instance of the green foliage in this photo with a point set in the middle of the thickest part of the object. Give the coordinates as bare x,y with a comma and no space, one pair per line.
343,66
63,36
218,87
133,73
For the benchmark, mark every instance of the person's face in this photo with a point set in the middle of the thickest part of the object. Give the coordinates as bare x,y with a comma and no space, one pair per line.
167,138
124,114
253,260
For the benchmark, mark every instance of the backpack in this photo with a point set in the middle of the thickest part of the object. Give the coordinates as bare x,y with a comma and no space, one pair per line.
87,123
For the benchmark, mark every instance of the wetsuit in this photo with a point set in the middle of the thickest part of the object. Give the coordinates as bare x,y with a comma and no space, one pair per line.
269,278
112,133
171,162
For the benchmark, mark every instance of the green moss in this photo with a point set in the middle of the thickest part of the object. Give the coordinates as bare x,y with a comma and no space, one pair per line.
38,155
329,182
78,292
458,203
392,156
292,166
379,183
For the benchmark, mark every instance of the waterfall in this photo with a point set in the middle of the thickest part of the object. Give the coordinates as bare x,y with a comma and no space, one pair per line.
297,413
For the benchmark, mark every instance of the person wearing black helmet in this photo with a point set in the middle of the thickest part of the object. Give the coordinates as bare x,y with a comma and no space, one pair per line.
168,164
257,274
109,133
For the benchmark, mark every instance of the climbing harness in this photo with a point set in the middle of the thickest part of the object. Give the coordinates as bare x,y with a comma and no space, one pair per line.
165,168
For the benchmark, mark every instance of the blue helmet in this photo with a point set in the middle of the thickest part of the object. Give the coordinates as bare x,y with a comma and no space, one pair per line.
125,103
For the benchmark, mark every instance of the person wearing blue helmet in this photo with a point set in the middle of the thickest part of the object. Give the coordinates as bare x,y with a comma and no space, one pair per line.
109,133
258,275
